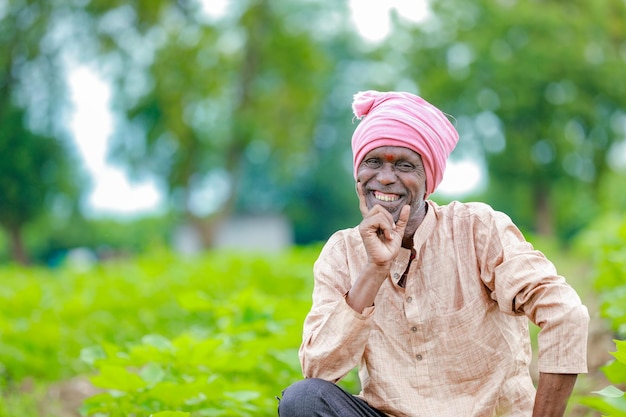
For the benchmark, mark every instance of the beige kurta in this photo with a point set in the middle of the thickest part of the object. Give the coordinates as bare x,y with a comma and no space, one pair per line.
454,341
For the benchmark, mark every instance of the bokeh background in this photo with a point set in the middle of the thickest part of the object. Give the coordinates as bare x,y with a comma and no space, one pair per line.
169,169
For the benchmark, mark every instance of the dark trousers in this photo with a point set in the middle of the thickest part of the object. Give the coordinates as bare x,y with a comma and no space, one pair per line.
318,398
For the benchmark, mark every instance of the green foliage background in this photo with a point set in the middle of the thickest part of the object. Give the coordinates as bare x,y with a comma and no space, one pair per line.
216,334
604,241
258,100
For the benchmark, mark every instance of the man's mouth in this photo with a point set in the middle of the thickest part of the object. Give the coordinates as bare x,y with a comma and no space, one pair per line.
387,198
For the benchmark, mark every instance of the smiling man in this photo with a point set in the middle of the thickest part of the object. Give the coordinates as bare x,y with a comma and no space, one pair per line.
431,302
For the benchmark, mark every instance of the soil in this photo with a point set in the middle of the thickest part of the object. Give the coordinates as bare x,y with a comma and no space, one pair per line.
65,398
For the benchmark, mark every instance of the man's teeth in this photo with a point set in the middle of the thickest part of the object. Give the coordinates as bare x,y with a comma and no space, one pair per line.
386,197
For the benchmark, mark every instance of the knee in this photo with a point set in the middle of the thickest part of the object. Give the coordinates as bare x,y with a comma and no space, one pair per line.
300,398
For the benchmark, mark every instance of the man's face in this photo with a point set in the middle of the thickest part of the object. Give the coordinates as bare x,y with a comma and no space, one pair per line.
392,177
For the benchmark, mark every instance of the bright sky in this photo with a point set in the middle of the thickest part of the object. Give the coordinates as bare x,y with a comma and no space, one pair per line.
92,125
113,193
373,20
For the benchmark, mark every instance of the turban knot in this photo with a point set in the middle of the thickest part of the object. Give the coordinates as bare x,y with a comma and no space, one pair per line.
406,120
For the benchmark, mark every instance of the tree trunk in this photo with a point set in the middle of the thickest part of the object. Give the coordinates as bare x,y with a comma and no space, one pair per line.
18,251
256,29
544,216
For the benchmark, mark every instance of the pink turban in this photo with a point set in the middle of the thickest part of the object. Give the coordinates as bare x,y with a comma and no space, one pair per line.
403,119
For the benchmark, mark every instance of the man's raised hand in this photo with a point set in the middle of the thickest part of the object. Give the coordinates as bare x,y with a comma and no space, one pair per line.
381,236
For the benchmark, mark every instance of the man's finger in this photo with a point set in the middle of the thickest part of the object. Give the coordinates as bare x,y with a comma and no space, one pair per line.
403,219
378,222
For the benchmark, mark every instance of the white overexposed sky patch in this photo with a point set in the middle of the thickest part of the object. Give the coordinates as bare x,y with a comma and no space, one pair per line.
214,8
372,18
461,178
91,123
617,156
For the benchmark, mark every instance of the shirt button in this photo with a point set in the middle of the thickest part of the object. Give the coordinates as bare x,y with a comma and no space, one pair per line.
396,275
409,299
414,329
419,357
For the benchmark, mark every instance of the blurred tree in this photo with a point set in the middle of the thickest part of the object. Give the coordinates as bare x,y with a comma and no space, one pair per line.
538,90
214,103
35,176
323,193
36,171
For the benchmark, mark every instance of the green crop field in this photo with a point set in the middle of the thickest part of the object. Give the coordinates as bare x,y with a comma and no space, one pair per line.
216,335
212,335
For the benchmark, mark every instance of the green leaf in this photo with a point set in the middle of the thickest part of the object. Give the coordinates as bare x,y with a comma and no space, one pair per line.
178,394
610,392
243,396
118,378
199,399
91,354
195,301
212,412
607,406
197,351
152,373
620,355
615,372
158,341
170,414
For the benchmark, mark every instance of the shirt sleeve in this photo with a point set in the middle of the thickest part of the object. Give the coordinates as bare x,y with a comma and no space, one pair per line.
524,281
334,335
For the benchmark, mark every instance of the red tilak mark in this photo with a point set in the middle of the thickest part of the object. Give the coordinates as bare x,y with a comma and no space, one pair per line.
388,157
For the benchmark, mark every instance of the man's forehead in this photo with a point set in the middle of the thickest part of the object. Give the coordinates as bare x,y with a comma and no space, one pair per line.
392,152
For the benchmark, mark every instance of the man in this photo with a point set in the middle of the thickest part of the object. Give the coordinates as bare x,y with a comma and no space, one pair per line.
431,302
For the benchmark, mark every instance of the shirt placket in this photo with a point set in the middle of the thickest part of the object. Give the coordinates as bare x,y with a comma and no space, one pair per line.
419,333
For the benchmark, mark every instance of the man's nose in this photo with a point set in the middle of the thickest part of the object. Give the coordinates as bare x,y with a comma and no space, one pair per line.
387,174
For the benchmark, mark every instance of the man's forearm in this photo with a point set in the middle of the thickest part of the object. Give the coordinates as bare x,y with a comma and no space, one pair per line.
364,291
553,392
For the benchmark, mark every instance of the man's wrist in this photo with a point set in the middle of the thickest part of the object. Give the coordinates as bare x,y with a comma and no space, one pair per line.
378,270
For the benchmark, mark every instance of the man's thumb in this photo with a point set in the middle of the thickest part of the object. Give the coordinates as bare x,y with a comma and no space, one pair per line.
403,219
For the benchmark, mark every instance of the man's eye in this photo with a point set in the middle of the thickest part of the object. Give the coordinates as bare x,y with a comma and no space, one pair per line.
405,166
372,162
